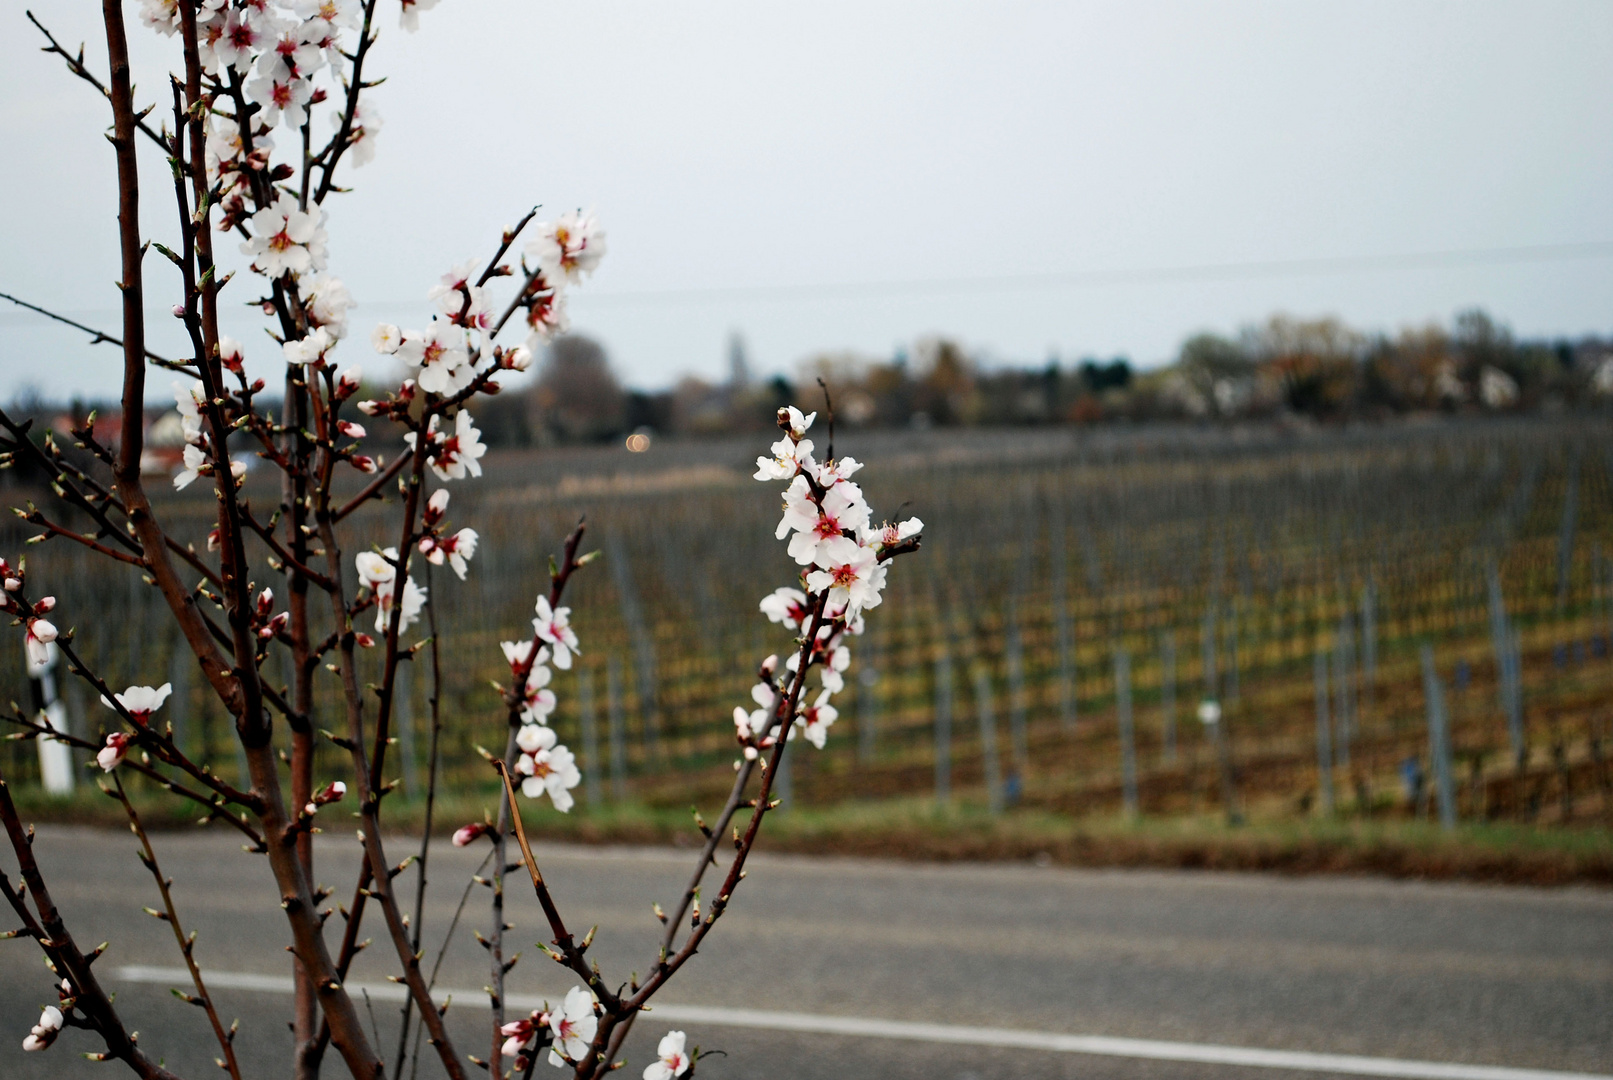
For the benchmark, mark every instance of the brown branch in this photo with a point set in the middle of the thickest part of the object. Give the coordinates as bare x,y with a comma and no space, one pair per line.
62,951
187,945
332,154
75,64
370,490
98,337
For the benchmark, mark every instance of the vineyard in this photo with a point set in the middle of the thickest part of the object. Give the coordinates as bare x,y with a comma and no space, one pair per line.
1409,620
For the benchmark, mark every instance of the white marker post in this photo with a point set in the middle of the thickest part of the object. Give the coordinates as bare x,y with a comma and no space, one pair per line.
55,758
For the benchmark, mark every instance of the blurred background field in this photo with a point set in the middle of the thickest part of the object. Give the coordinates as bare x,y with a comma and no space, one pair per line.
1032,685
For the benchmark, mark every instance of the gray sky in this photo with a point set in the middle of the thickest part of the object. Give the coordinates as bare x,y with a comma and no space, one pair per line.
747,158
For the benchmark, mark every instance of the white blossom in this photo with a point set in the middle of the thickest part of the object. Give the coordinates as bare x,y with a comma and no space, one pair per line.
455,454
50,1025
547,769
375,567
815,719
574,1026
554,626
786,605
328,301
414,598
456,549
788,458
440,357
285,239
847,570
141,701
410,17
386,338
280,93
832,673
888,535
797,424
37,641
538,701
188,402
194,463
819,523
112,754
670,1060
568,248
307,350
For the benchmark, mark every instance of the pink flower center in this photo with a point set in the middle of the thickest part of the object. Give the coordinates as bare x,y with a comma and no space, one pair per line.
826,527
844,575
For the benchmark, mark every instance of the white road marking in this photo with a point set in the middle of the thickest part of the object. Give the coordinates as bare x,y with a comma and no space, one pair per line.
1009,1038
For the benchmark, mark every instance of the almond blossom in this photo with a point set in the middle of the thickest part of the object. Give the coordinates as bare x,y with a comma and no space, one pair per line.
452,456
194,464
888,535
328,301
41,633
361,135
457,549
790,418
309,349
848,572
112,754
281,94
574,1026
50,1025
386,338
554,626
516,652
141,701
440,357
568,248
409,18
819,522
376,567
546,317
188,402
786,605
414,599
670,1060
547,768
521,1036
788,458
537,701
285,239
815,719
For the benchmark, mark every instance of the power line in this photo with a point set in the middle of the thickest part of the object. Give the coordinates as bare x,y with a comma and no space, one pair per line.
1321,266
1309,267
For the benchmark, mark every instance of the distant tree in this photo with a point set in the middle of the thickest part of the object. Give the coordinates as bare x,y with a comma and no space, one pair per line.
578,397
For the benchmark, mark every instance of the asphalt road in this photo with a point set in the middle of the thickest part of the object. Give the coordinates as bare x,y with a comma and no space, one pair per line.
1444,973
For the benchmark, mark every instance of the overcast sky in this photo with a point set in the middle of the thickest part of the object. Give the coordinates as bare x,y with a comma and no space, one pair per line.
1013,175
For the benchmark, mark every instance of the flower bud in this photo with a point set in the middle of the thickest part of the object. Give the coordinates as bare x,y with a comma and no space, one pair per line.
371,408
47,603
769,666
364,641
347,385
350,429
335,791
518,358
364,463
112,754
468,834
265,603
